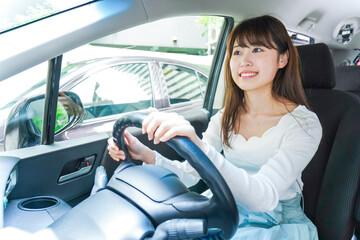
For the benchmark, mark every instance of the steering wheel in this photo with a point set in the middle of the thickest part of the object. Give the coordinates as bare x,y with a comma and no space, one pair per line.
220,210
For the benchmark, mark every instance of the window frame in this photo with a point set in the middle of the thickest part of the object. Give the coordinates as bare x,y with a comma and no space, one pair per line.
208,102
51,98
217,65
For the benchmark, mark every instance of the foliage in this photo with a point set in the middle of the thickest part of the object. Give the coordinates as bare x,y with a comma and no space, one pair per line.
36,12
209,22
24,12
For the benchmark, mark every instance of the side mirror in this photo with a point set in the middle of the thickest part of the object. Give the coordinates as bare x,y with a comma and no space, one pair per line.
25,121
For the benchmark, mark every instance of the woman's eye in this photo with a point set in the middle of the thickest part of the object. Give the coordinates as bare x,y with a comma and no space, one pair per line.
257,50
237,53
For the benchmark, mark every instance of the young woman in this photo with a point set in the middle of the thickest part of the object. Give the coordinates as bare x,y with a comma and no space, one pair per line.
265,130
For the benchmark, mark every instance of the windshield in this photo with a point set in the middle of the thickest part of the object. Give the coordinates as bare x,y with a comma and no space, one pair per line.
17,13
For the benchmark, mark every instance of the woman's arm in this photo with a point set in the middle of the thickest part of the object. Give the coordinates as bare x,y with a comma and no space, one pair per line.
184,170
260,192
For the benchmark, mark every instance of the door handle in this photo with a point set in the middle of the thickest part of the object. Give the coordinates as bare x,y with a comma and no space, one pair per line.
82,167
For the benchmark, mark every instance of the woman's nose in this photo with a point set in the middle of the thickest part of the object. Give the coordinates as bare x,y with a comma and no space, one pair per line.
245,60
245,64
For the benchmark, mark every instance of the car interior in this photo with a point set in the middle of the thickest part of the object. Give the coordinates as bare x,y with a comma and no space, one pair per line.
48,188
329,172
349,76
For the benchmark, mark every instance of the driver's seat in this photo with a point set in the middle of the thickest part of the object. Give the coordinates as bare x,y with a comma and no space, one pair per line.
332,179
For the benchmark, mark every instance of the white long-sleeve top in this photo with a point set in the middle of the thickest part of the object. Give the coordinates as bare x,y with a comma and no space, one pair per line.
262,170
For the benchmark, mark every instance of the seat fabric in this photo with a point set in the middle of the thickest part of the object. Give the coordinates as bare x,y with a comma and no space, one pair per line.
332,178
348,79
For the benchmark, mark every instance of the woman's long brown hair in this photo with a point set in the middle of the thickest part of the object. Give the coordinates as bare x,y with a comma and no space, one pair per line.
269,32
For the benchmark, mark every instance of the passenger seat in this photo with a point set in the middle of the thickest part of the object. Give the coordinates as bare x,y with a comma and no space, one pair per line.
348,79
332,178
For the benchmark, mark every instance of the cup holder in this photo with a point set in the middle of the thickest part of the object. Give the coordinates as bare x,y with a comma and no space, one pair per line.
38,203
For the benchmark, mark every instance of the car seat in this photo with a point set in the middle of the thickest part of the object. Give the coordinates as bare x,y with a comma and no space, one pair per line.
348,79
332,178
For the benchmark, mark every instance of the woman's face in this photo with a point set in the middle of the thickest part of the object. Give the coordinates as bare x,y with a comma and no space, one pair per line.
254,67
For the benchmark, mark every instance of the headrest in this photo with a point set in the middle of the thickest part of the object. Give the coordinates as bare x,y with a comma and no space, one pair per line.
348,78
316,66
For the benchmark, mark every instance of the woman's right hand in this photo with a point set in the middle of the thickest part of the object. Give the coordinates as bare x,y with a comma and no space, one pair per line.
137,150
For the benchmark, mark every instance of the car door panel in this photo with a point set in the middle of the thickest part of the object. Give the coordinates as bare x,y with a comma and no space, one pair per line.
40,168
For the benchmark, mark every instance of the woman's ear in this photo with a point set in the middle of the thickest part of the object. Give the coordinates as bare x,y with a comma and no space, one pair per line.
283,60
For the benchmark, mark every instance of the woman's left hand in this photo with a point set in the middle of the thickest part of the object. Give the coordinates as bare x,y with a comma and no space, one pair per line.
161,126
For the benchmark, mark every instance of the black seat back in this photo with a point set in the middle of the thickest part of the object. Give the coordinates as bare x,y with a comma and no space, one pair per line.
332,178
348,79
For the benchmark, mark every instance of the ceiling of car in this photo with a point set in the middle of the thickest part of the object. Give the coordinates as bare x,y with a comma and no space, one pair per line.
318,19
53,36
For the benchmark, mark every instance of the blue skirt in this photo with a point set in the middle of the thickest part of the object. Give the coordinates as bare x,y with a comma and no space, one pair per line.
286,221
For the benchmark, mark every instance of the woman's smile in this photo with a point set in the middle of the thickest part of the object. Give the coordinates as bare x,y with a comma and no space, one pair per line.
248,74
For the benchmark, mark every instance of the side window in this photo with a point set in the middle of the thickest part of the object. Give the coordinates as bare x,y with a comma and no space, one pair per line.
163,64
202,83
122,72
115,89
183,84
